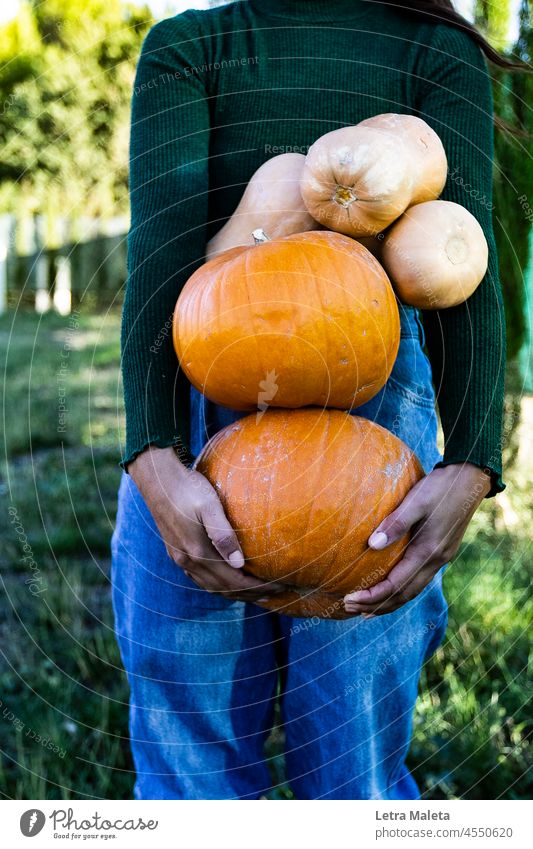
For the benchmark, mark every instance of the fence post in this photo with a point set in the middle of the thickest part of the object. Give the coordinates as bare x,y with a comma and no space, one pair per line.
62,289
42,294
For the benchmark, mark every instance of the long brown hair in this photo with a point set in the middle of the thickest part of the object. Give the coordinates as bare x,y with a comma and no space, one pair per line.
435,11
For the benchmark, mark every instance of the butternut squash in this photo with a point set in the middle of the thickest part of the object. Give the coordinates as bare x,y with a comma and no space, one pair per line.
436,255
358,180
271,202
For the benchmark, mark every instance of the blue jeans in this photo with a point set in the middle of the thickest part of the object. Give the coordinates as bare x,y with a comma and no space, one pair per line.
204,672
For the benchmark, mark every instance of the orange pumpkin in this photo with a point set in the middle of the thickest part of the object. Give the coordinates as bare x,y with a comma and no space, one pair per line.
309,319
304,490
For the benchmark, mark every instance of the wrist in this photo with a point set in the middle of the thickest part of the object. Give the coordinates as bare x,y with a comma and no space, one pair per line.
484,476
471,475
156,462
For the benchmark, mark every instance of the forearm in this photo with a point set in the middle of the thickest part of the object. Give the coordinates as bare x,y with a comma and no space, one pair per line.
466,344
168,189
156,392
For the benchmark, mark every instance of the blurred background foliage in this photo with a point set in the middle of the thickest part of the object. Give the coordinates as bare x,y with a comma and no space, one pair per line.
513,167
66,74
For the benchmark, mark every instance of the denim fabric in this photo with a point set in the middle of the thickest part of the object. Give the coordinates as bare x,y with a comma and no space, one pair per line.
204,672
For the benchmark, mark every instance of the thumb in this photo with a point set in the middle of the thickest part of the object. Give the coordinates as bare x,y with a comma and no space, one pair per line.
398,523
221,533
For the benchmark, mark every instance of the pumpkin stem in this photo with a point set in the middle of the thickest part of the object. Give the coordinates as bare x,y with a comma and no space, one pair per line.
260,237
344,196
456,250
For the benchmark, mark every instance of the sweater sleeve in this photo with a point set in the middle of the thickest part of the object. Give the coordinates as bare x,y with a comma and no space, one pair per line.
169,149
466,344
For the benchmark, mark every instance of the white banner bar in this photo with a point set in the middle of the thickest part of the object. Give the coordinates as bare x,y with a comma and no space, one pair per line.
323,825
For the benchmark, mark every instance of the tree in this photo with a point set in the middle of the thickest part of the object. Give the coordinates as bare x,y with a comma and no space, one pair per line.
67,70
513,172
495,17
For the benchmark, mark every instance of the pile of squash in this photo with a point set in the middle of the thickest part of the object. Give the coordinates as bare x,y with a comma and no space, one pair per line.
293,316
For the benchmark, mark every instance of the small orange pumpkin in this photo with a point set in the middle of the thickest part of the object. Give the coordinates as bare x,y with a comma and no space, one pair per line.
304,490
309,319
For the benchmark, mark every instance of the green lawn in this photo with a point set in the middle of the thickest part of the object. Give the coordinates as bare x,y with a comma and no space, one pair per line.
60,672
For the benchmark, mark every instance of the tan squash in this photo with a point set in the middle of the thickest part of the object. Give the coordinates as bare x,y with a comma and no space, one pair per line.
436,255
272,202
358,180
429,162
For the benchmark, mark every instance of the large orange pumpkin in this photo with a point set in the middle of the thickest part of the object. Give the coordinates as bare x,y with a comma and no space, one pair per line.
304,490
308,319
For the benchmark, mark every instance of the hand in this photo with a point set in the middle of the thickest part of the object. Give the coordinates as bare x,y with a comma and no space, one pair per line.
194,527
437,511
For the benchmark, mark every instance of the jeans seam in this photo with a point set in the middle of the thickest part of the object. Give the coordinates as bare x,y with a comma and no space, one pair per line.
418,400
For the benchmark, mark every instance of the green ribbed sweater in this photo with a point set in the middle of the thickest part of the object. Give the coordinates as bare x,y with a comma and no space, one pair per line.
217,93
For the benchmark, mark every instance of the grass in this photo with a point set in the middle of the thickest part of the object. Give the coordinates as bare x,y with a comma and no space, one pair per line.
60,672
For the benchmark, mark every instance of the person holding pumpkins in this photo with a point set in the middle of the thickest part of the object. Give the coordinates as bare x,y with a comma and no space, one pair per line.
205,663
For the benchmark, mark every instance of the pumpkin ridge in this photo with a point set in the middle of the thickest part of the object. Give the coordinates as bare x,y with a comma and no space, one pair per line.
303,536
260,364
331,576
218,312
204,296
290,302
321,453
334,568
354,515
349,339
270,500
241,482
324,354
195,304
322,284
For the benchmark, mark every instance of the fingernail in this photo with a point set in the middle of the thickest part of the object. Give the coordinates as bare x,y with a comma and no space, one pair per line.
351,608
260,600
378,540
353,598
236,560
